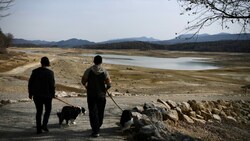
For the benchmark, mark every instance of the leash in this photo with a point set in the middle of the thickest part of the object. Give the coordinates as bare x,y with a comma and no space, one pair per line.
64,102
114,101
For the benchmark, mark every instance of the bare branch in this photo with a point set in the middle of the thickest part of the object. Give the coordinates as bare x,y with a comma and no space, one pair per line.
4,6
209,11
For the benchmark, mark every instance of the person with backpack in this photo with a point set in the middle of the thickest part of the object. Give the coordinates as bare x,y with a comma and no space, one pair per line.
97,81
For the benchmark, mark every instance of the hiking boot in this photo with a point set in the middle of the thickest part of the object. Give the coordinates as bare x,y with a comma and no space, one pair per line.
44,128
95,135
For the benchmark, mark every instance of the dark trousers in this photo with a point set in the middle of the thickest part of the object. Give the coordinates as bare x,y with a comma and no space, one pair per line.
96,112
39,102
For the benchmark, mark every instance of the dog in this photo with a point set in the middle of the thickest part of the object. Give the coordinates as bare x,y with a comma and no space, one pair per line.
69,113
126,120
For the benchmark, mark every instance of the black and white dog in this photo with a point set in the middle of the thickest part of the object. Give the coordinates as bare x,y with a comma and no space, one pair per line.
126,120
69,113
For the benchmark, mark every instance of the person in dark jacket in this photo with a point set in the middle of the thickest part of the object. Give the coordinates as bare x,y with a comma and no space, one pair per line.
97,81
42,89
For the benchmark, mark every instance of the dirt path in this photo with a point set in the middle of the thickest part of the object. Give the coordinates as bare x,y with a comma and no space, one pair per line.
19,119
23,68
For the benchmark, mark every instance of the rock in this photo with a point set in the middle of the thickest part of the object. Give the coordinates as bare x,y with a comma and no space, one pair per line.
219,107
61,94
185,107
148,132
138,109
178,109
222,114
173,115
233,114
199,117
196,106
198,112
188,119
192,114
201,121
136,115
25,100
231,119
154,114
164,114
171,103
164,103
206,115
216,117
144,120
222,102
180,114
215,111
148,106
8,101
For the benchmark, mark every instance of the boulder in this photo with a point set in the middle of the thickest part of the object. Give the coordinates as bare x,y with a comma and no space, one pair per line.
8,101
148,106
148,132
138,109
222,114
154,114
173,115
199,117
185,107
192,114
216,111
171,103
164,103
231,119
196,120
206,115
24,100
216,118
188,119
222,102
164,114
136,115
180,114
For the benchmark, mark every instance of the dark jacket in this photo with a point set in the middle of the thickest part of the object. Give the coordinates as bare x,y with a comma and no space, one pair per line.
42,83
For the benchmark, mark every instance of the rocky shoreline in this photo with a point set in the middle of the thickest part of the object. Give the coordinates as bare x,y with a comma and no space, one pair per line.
150,119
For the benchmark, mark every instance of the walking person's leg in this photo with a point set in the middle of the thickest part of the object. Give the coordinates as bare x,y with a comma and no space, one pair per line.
39,110
101,107
48,106
93,116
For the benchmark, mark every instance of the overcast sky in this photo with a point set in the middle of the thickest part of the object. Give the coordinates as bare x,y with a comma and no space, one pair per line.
98,20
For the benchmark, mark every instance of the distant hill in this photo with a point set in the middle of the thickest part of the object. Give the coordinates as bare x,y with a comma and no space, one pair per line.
125,45
190,38
73,43
142,39
64,43
182,42
242,46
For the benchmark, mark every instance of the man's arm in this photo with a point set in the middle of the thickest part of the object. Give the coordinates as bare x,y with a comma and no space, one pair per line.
107,81
52,85
30,85
84,82
85,78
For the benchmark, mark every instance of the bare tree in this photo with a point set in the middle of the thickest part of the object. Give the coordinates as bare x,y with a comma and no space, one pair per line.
4,6
207,12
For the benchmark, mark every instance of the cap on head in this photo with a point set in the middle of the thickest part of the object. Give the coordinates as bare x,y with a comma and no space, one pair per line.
98,60
45,61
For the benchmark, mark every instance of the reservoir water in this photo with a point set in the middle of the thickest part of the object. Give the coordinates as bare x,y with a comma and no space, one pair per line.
181,63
